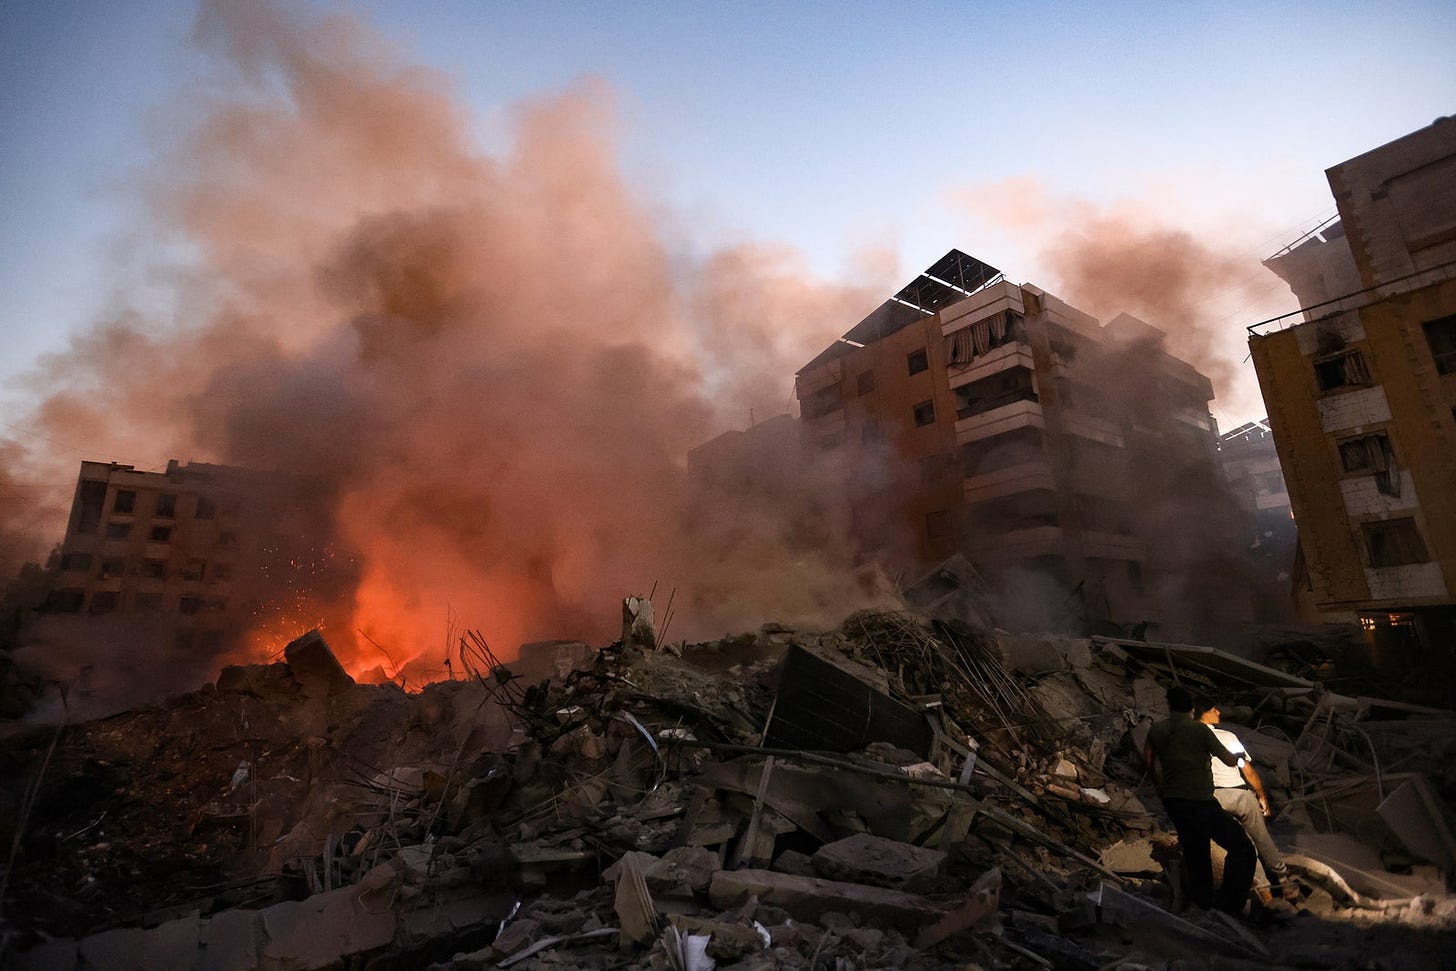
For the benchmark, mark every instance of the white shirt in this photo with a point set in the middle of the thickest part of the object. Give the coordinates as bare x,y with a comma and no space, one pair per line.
1227,776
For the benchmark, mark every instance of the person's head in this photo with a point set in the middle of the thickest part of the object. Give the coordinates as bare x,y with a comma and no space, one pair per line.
1179,700
1205,710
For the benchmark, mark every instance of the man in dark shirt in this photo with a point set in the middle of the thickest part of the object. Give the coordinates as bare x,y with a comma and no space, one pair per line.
1178,752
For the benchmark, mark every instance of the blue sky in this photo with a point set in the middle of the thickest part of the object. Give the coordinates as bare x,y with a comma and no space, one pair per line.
827,127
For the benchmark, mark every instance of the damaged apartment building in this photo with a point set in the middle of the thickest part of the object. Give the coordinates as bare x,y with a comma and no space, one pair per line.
186,553
1073,461
1361,390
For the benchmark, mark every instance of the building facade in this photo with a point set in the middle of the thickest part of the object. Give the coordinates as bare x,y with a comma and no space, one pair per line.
1361,391
1250,465
1076,461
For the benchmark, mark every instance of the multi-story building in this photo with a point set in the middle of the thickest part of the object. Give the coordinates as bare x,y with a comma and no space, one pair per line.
1250,465
1074,460
1361,390
188,554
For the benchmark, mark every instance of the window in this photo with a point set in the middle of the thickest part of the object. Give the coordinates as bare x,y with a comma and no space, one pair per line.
865,383
1394,542
154,569
1345,370
227,539
924,413
112,566
160,534
65,601
995,391
167,505
821,402
222,571
1441,335
105,601
206,508
90,497
917,361
147,603
75,561
189,605
118,530
125,502
194,570
1372,453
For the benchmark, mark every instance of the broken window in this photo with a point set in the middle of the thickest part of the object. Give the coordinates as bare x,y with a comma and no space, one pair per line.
962,346
90,498
65,601
1394,542
118,530
1441,335
167,505
995,391
865,383
924,413
125,502
105,601
1372,453
206,508
75,561
917,361
160,534
1346,370
821,402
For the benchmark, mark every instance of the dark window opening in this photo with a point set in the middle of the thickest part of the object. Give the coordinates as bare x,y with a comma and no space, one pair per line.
1441,335
1025,510
112,566
154,569
125,502
105,601
821,402
924,413
206,508
995,391
147,603
167,505
1347,370
194,570
1394,542
160,534
917,361
865,383
1003,451
65,601
222,571
1373,454
75,561
118,530
189,605
90,498
1135,576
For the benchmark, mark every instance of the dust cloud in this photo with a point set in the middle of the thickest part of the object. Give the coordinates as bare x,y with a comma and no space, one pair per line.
488,370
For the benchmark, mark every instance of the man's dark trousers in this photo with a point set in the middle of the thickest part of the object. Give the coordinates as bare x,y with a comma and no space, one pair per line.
1197,822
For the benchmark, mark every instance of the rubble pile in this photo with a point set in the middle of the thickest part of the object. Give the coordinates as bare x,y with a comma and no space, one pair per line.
894,793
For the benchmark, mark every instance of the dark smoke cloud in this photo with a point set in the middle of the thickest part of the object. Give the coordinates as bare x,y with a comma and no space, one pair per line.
489,369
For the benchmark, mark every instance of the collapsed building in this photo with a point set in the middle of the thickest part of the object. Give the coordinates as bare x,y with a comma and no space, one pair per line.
897,792
1075,461
1250,463
1360,386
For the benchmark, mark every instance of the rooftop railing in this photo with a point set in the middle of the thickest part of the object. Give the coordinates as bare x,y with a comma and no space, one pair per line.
1355,301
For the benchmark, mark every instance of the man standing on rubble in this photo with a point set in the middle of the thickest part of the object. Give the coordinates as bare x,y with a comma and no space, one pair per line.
1241,793
1178,753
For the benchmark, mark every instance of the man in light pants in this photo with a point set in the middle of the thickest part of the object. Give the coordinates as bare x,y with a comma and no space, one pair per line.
1240,792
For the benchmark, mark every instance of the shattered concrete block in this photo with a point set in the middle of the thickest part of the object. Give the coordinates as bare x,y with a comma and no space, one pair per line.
323,930
792,861
445,918
693,866
230,941
880,862
517,934
637,624
1130,856
979,912
806,898
315,667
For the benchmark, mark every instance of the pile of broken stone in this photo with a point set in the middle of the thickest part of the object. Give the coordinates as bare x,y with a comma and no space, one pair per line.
894,793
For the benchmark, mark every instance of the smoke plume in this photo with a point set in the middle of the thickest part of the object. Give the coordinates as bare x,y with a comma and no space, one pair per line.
486,370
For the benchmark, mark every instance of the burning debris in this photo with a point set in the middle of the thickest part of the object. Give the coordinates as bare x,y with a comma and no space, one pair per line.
893,793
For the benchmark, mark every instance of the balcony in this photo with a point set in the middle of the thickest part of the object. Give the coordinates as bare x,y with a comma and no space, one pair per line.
1015,354
1093,429
1009,417
1113,546
1022,477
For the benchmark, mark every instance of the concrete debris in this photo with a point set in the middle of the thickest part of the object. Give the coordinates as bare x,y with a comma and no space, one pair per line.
898,792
